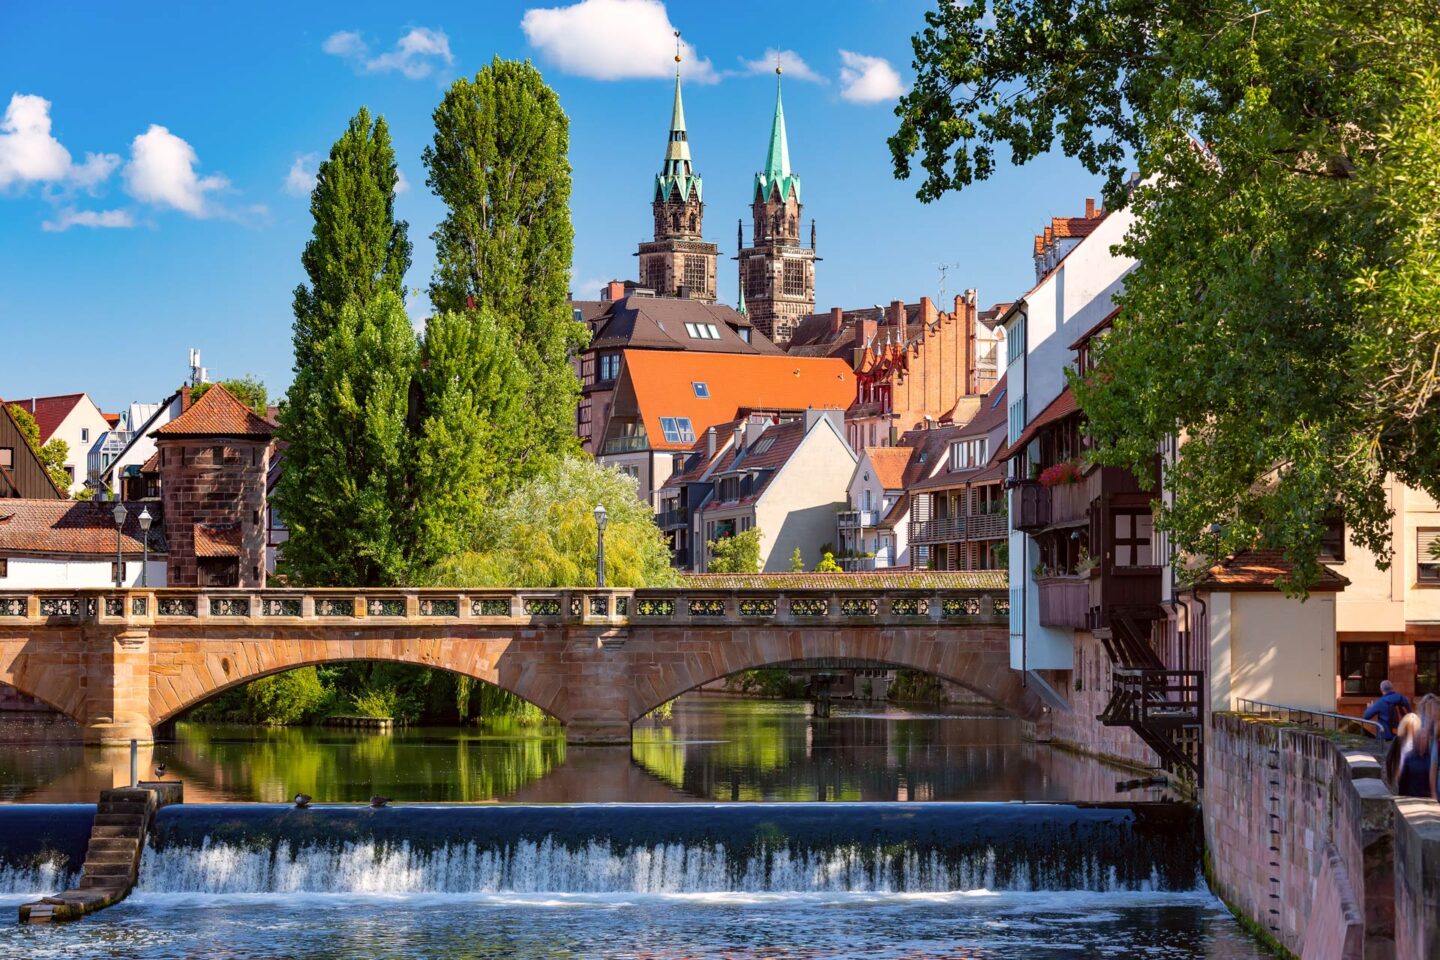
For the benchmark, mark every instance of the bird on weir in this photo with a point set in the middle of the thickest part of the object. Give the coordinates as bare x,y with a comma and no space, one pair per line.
302,801
378,801
159,771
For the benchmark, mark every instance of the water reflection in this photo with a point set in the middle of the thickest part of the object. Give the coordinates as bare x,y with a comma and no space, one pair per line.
713,748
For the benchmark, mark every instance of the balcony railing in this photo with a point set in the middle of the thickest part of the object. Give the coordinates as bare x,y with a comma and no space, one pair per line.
627,444
670,519
854,519
1069,502
1032,503
1123,588
980,526
1064,601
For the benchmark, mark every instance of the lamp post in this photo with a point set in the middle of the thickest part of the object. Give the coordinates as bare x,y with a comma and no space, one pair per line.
145,521
119,513
601,518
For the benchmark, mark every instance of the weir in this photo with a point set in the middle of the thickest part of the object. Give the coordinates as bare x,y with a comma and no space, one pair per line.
654,849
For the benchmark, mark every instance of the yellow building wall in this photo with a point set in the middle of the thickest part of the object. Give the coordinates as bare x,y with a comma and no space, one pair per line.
1266,646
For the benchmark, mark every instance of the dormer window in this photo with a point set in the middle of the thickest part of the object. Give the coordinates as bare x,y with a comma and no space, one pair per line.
701,388
677,429
702,331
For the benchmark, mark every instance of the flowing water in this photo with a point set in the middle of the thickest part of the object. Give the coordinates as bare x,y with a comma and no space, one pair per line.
634,854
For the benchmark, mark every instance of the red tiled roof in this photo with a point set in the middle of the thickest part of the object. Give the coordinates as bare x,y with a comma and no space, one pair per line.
1059,408
217,414
889,464
1258,569
217,540
152,465
84,527
662,384
49,412
111,418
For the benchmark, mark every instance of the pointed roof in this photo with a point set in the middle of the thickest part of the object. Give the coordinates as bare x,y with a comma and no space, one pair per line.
218,414
677,175
777,158
49,412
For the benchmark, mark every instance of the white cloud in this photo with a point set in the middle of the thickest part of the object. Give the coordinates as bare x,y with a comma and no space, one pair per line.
415,54
301,178
868,79
612,40
30,153
790,62
162,171
401,184
70,217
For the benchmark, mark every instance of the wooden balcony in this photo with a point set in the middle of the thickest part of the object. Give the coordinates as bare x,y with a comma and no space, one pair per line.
1033,509
1134,590
980,526
1069,503
1064,601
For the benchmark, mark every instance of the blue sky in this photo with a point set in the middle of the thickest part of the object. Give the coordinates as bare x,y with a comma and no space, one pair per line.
164,207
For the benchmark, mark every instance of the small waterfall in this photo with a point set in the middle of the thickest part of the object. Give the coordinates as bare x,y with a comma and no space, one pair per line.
689,849
42,846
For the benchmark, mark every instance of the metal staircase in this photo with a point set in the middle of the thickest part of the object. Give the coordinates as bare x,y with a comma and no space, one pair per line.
1161,705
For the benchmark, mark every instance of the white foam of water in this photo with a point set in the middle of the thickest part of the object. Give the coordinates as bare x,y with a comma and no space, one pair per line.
546,867
41,879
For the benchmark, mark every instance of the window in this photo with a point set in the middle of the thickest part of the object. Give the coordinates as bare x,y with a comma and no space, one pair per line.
579,317
1133,532
1332,541
117,572
631,470
1016,413
696,280
967,454
84,434
701,388
1362,667
4,568
677,429
70,472
744,334
757,278
1427,667
761,445
609,366
7,457
1427,562
1015,339
794,278
702,331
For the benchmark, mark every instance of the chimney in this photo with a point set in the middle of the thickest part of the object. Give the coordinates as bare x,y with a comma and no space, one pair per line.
614,290
185,398
896,315
837,320
710,444
1089,208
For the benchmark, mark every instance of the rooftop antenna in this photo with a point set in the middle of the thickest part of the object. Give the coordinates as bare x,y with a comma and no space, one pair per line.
945,269
198,374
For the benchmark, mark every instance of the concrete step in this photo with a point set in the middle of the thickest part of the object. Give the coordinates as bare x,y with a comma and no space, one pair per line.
110,856
109,844
113,831
123,806
104,883
119,869
135,820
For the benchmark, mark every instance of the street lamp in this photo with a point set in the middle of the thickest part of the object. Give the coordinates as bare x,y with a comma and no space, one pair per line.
601,518
145,521
119,513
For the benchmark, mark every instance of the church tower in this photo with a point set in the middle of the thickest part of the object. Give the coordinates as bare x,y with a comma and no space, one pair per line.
678,262
777,274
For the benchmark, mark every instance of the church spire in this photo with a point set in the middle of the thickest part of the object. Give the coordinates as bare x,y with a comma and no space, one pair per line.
777,158
677,175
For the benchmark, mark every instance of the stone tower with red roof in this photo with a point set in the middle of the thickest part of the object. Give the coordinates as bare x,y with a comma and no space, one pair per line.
213,462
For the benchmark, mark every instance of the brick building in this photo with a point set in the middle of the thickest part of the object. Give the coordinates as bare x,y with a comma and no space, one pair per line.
213,462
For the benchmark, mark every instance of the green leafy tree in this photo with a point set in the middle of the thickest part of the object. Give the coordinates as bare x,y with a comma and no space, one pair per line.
52,455
543,535
247,389
1284,317
345,492
357,248
827,564
738,553
499,163
797,562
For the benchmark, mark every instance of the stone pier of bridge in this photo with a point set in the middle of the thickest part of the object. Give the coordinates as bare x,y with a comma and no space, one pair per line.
123,663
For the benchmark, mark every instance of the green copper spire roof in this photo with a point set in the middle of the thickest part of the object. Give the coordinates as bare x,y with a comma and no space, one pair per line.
677,175
777,159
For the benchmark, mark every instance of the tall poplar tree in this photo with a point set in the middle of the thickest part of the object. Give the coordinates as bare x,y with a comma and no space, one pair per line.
499,162
345,491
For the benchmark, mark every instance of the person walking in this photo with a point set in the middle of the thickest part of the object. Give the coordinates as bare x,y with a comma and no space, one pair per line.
1428,709
1412,752
1388,710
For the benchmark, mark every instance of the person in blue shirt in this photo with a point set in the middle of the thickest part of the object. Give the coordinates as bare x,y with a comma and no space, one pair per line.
1389,710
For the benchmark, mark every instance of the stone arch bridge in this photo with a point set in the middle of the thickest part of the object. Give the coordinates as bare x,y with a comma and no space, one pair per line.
123,662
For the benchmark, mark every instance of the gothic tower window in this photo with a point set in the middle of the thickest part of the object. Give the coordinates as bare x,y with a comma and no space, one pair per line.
694,225
695,279
794,278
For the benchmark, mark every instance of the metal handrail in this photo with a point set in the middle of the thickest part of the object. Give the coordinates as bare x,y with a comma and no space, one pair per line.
1304,715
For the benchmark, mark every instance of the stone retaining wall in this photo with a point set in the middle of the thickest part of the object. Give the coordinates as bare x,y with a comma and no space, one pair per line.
1305,840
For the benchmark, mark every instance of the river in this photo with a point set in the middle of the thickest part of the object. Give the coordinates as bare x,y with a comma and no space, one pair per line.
713,845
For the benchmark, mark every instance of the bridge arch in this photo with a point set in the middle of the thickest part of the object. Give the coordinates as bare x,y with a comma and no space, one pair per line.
188,674
976,659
